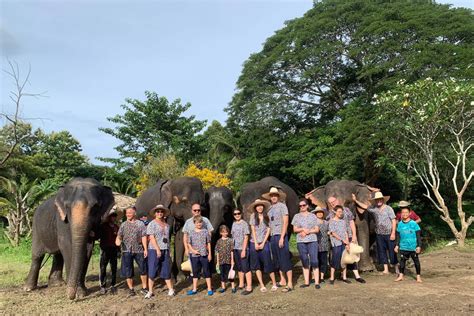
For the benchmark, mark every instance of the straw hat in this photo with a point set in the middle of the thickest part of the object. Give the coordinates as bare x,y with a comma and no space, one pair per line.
351,256
379,195
319,209
403,204
186,266
266,206
160,207
276,191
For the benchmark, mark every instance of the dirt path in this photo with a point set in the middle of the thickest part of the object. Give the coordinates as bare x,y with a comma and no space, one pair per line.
448,288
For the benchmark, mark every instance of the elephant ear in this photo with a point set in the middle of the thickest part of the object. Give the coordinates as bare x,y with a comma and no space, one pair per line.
166,196
318,196
61,204
107,201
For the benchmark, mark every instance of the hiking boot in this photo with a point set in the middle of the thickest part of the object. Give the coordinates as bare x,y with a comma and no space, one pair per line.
149,295
113,290
144,291
171,292
131,292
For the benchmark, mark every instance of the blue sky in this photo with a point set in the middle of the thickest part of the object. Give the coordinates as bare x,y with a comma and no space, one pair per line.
91,55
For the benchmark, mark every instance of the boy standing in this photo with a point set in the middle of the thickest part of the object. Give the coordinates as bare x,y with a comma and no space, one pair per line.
408,243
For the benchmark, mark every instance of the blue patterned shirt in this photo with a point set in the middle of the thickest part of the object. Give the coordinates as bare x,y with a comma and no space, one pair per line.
323,237
308,222
239,230
199,240
276,213
383,219
161,234
260,230
340,228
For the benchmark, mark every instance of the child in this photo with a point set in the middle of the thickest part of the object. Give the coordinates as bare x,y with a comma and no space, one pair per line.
225,257
200,255
339,240
323,242
408,243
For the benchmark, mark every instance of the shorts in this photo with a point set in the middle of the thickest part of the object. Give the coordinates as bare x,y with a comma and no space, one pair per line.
161,264
127,270
281,256
198,264
261,259
336,256
241,264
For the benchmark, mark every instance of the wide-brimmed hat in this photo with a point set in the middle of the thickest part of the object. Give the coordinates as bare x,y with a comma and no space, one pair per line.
351,256
266,206
276,191
319,209
160,207
403,204
379,195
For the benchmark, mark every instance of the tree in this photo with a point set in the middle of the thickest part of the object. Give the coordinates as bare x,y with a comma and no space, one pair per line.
165,166
339,54
17,202
207,176
153,127
431,126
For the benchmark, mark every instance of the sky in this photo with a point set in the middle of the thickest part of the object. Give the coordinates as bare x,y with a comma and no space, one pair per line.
89,56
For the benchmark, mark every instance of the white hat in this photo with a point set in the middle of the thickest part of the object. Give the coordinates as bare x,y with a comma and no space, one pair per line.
379,195
276,191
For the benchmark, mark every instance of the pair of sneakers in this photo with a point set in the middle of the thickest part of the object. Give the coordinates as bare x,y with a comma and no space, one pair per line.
150,294
192,292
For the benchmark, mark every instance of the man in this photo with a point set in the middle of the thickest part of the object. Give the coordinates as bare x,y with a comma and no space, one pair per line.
189,226
133,241
108,251
406,205
351,231
385,228
279,218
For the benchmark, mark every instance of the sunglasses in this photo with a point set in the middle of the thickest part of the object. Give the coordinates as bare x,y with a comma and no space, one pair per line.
160,212
237,214
197,210
303,205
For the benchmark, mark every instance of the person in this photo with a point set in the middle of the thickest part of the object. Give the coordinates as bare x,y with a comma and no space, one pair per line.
240,234
132,239
339,236
200,254
189,225
348,217
305,225
260,254
279,220
404,204
408,244
108,251
159,259
323,242
225,258
385,227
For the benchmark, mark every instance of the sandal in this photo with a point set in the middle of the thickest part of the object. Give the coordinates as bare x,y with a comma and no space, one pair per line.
274,288
304,285
263,289
287,289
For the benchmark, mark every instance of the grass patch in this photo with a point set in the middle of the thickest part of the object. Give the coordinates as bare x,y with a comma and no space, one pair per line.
442,244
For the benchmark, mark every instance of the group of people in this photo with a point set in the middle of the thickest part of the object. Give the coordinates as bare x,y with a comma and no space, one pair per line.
261,245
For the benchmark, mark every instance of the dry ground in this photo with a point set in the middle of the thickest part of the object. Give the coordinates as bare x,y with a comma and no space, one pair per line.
448,288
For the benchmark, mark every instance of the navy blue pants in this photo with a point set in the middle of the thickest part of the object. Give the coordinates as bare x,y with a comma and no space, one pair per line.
198,264
323,261
127,264
336,255
161,264
308,254
281,256
384,245
261,259
225,268
241,264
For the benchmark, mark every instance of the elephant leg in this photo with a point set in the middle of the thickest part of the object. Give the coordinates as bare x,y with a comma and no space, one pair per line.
32,278
82,289
56,274
363,234
178,256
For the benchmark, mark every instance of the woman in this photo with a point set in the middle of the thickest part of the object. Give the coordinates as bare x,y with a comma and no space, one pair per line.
305,225
240,234
159,258
260,255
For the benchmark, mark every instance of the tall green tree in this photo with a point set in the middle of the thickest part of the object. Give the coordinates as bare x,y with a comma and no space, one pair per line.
152,127
340,52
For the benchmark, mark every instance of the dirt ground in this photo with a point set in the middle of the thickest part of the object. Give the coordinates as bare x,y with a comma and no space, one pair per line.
448,288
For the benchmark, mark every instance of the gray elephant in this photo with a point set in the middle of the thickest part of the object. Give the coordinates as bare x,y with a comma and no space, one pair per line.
178,195
220,205
254,190
64,226
343,190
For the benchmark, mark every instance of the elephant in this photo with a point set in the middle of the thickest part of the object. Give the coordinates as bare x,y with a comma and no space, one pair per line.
220,205
178,195
343,190
254,190
64,226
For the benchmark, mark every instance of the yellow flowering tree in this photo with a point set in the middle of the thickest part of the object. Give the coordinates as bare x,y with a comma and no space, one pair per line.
207,176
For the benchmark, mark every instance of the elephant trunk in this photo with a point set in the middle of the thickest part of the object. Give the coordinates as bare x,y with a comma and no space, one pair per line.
79,235
216,215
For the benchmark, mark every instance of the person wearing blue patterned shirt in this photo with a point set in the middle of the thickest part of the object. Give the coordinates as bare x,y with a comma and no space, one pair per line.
240,234
323,242
260,254
385,228
279,220
305,225
159,258
339,240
